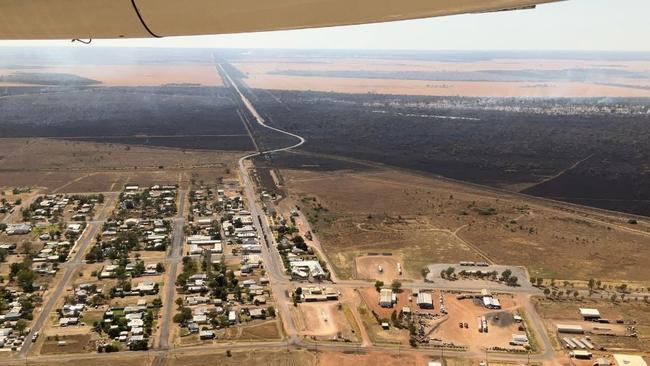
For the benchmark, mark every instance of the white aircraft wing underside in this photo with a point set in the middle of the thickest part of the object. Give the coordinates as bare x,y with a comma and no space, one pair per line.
69,19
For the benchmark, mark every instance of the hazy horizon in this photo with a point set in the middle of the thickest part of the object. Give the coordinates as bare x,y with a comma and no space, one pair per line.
573,25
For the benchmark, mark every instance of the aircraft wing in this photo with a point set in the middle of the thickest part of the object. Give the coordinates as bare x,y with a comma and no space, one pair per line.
69,19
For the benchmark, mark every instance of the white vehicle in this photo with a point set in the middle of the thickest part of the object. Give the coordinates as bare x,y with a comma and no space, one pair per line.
380,269
35,336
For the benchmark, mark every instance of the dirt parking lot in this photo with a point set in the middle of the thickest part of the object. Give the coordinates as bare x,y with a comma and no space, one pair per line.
501,324
368,268
324,321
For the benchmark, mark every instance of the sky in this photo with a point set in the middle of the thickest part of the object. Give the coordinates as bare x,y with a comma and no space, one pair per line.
583,25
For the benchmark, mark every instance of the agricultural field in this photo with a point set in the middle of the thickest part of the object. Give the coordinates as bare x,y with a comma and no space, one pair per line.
497,77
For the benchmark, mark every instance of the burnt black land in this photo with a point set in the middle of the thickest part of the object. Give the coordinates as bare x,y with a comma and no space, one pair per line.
589,151
582,152
37,78
173,116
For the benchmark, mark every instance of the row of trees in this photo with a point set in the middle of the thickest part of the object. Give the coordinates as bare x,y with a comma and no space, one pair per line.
396,286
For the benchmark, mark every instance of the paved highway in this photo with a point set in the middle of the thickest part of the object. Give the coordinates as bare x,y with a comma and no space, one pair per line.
279,280
273,264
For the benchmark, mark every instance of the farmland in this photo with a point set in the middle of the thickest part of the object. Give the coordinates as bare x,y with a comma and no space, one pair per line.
444,75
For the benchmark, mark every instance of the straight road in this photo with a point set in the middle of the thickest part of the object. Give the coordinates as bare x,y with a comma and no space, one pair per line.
280,281
70,269
273,264
175,255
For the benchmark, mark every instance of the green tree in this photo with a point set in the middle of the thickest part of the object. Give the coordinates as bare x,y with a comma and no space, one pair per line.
26,278
505,275
591,283
396,286
379,285
20,326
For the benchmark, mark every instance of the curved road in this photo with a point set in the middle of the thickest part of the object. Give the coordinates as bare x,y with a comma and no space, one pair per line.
276,270
280,282
275,267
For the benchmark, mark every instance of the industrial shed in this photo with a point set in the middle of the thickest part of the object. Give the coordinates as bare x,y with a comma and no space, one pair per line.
589,314
425,301
570,328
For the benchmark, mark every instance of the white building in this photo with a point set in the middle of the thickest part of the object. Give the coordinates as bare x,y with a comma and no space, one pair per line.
424,300
386,298
589,314
629,360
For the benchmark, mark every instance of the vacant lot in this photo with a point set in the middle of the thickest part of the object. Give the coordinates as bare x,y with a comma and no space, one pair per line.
265,331
76,343
424,220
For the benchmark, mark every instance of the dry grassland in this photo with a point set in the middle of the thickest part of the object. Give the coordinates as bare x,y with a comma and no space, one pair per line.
424,220
75,166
